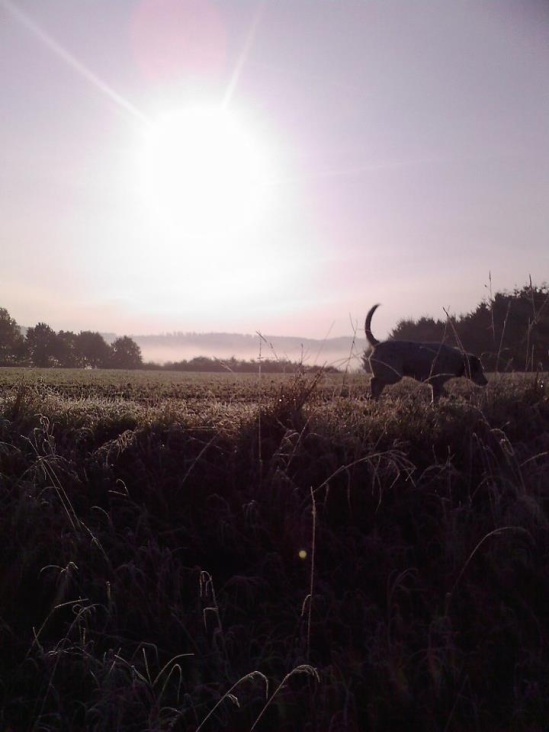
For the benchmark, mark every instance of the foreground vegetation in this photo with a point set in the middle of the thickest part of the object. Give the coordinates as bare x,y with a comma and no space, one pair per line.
272,553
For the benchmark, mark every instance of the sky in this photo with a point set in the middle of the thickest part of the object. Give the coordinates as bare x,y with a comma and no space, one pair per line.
269,165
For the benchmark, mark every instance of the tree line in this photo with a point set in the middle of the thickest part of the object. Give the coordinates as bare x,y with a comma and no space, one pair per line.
509,331
42,347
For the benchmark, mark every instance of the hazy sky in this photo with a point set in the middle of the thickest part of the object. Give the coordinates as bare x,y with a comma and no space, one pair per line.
269,165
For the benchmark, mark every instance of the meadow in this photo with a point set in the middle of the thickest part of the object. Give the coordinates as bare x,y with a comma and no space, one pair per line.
257,552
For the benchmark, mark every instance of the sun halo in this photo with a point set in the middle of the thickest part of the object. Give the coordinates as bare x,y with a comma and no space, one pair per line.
204,173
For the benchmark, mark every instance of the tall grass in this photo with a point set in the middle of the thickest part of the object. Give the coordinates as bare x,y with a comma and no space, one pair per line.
217,554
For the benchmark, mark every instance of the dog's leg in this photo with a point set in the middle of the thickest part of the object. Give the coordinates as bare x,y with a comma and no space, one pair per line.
376,387
437,389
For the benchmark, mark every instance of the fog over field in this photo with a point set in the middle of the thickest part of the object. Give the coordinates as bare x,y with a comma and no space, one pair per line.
343,352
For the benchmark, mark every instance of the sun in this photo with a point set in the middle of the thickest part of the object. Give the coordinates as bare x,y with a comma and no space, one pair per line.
204,172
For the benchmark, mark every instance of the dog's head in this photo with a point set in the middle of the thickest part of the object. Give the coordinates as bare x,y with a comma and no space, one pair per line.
472,369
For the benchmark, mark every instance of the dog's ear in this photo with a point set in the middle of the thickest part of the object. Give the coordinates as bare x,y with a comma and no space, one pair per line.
472,366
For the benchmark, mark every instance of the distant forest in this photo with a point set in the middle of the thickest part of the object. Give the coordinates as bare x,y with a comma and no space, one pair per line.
42,347
509,331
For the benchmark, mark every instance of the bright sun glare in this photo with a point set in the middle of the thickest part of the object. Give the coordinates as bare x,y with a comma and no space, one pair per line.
204,172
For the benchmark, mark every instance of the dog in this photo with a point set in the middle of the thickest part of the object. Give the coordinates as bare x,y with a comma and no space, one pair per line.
432,363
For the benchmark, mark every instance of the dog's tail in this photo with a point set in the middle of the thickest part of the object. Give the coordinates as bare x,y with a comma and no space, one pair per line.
369,335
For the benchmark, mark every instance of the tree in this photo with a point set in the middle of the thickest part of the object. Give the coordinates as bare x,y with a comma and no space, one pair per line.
11,340
425,330
68,352
42,345
94,350
126,354
510,331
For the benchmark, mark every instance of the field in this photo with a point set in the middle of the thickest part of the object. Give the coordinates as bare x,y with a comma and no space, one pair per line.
185,552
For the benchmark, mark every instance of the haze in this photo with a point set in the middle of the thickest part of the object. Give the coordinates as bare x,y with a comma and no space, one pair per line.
401,150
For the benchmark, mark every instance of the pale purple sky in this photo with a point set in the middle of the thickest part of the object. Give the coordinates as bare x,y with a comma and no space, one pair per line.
407,149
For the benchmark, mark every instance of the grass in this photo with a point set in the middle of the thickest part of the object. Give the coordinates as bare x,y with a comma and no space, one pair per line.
186,552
